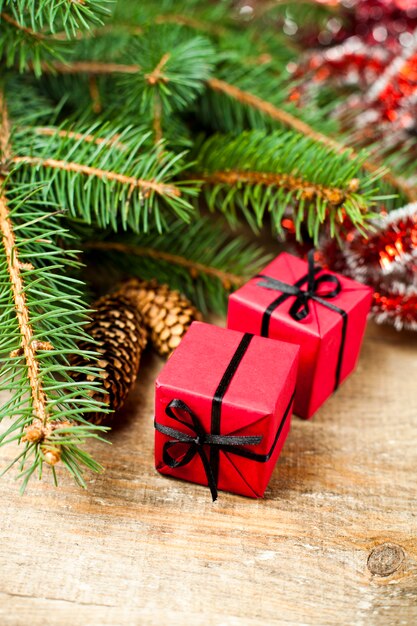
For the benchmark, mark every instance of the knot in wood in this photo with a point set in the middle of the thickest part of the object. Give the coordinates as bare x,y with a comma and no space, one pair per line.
385,559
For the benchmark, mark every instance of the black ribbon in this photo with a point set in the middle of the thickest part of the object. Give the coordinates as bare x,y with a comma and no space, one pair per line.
199,439
300,308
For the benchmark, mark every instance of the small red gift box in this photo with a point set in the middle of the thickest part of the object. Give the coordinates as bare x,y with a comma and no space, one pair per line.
223,409
322,312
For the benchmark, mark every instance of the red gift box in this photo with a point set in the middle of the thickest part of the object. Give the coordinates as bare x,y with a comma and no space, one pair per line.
223,409
322,312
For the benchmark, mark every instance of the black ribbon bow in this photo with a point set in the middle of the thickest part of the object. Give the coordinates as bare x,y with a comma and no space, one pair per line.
197,442
300,309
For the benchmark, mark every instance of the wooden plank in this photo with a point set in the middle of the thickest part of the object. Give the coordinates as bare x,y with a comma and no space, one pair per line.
333,542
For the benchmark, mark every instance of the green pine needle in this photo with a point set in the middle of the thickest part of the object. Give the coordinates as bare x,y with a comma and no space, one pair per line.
257,174
219,111
174,65
110,176
57,314
52,16
201,260
34,33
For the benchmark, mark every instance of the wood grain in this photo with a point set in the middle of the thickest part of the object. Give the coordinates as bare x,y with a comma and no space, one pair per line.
333,542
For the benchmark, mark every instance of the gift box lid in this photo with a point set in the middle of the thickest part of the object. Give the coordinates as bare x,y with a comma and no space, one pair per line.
266,372
289,269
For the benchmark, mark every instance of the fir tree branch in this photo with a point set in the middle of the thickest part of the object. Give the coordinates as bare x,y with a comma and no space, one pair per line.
195,268
258,173
89,67
147,186
48,417
43,399
77,136
120,177
289,120
277,114
28,345
28,29
306,189
171,66
14,269
24,29
70,15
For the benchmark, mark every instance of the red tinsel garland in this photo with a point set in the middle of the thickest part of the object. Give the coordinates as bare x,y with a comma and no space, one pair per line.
387,261
375,51
396,306
390,250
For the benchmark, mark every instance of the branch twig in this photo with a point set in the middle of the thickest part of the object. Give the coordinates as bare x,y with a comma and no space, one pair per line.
147,186
291,121
94,94
226,278
89,67
157,75
154,77
157,119
36,35
249,99
28,345
308,190
88,138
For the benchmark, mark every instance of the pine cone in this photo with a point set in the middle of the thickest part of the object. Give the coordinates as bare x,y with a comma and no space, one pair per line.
167,313
118,329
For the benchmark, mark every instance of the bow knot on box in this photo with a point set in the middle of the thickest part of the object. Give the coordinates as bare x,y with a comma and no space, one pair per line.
197,442
316,289
299,310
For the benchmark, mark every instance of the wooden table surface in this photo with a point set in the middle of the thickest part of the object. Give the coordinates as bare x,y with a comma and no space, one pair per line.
333,542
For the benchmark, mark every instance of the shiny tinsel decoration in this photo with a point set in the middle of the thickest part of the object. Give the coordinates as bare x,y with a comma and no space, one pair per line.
396,305
389,252
386,260
374,51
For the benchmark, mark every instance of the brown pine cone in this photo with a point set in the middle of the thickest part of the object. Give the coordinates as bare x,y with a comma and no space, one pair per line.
118,329
167,313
